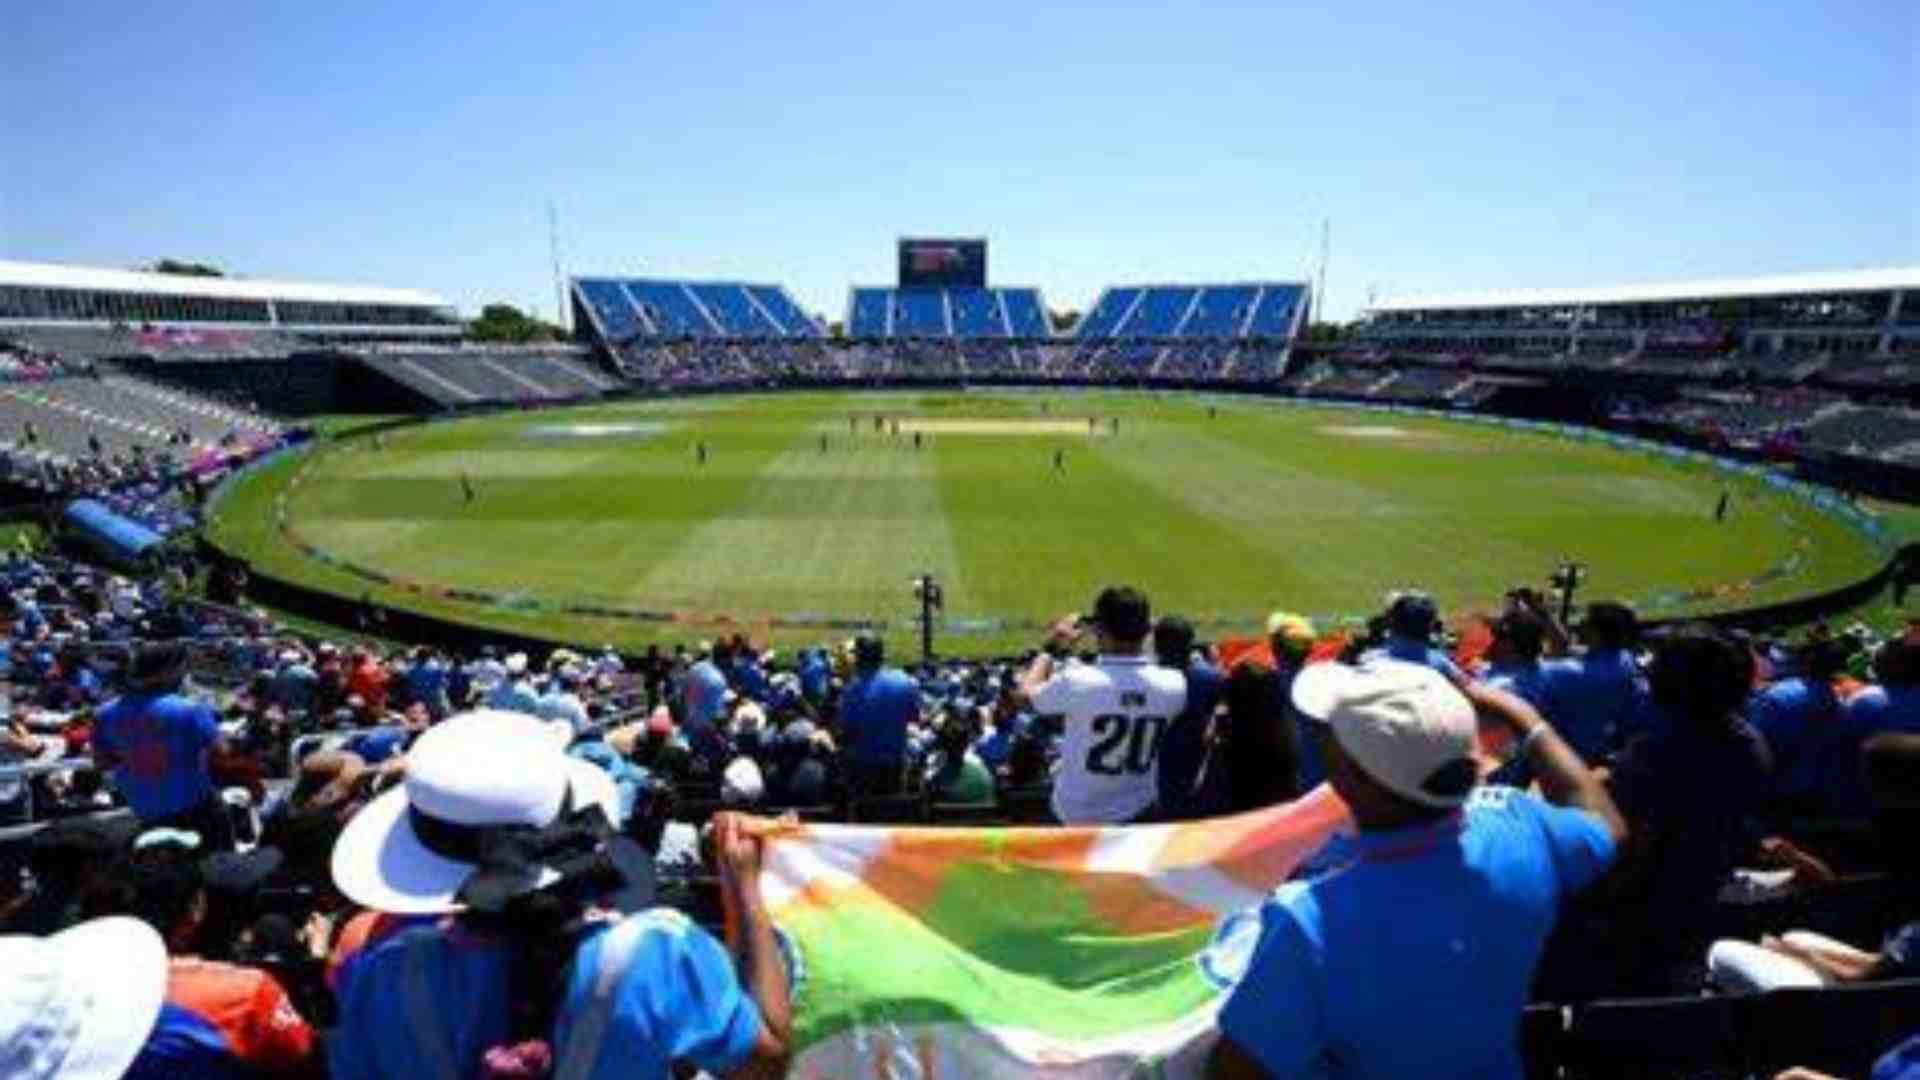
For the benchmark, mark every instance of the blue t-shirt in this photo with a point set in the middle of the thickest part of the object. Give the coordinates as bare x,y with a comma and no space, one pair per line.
1413,651
515,695
383,1032
1524,679
677,999
1183,749
561,704
1884,708
751,679
814,675
1900,1063
1595,700
162,741
375,745
427,682
874,713
1868,713
1415,958
706,694
1795,717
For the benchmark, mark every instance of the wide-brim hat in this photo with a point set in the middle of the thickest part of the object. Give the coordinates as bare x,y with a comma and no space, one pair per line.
479,769
79,1005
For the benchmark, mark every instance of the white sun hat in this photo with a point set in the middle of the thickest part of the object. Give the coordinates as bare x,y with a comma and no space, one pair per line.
477,769
1403,724
80,1004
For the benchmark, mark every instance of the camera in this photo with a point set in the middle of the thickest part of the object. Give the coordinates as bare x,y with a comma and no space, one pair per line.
1568,575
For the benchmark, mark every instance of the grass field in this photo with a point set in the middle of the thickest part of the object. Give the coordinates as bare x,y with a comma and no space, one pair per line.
1221,517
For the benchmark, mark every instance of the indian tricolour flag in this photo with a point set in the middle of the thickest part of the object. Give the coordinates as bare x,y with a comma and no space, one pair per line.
1060,952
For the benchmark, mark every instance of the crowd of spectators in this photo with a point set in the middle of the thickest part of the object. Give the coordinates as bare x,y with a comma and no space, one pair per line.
318,836
681,365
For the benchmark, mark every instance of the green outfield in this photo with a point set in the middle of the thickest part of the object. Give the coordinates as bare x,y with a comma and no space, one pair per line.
1221,509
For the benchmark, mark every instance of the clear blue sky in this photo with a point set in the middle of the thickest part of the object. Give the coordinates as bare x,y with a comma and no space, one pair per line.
1499,144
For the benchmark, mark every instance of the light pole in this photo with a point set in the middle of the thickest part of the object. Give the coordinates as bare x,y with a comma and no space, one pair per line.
927,591
1567,578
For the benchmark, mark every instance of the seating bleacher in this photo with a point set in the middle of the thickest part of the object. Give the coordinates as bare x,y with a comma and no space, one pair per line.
1871,372
1867,430
1160,312
462,377
959,312
1690,364
1254,310
627,309
1649,1037
1838,1030
122,412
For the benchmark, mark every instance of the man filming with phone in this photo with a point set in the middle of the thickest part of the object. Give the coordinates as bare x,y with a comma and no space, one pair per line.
1116,711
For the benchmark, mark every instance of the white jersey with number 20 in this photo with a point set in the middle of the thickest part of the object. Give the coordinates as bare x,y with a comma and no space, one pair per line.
1117,709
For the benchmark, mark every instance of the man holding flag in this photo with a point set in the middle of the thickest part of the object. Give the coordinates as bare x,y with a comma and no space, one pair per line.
1343,980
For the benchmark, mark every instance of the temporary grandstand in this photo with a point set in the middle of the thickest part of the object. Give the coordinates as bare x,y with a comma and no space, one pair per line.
1271,311
625,310
878,313
1775,320
109,313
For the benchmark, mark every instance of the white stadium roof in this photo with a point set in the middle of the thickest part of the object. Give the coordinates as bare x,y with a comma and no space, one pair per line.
1832,281
59,276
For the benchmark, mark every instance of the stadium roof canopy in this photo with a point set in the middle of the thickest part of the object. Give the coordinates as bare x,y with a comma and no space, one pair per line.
1817,283
60,276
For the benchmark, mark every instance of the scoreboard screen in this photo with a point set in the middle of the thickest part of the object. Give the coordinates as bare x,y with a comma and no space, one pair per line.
943,262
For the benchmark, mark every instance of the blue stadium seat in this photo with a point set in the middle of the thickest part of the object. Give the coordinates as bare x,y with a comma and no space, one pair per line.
623,310
1275,316
611,307
976,313
792,321
1025,313
671,308
959,312
868,313
1159,313
1221,312
736,313
1209,312
1108,312
920,313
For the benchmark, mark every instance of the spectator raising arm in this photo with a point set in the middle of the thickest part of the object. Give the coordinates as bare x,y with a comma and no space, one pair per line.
1564,779
738,852
1059,640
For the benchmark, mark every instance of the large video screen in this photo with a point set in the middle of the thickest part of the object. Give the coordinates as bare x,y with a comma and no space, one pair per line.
943,262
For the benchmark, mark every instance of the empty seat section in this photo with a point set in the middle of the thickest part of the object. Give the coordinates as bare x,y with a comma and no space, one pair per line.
1024,312
1221,312
1105,317
867,314
1275,315
920,313
1159,313
976,313
775,301
671,309
728,304
610,305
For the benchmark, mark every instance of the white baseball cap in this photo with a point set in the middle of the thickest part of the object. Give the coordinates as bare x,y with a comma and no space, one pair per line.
477,769
80,1004
1404,725
741,783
